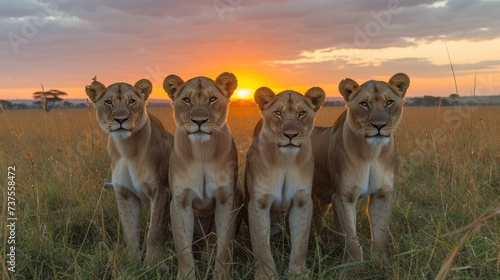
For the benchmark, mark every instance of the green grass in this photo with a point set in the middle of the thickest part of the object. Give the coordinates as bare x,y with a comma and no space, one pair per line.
68,226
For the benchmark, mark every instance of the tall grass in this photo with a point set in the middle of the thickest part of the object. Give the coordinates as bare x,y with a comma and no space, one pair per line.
68,225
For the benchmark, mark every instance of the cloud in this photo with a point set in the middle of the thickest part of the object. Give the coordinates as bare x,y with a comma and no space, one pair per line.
125,39
18,8
435,53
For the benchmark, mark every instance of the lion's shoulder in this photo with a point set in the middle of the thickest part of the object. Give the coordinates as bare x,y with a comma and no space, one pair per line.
258,128
340,121
156,124
322,135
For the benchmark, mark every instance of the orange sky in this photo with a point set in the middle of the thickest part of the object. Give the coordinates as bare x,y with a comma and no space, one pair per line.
280,44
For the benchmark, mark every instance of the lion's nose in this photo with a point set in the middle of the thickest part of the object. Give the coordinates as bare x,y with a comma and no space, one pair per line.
199,122
121,120
290,134
379,126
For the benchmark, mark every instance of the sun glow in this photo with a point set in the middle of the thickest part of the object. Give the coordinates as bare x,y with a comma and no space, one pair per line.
243,93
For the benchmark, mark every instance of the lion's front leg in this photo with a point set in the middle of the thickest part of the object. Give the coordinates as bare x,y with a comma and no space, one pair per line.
344,210
158,225
379,213
182,217
320,210
129,209
260,228
300,226
225,225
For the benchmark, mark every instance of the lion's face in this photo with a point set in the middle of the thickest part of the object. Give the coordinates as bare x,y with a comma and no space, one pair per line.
121,108
375,107
200,104
288,116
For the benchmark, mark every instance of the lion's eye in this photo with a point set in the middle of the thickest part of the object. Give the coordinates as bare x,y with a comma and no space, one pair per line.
109,102
364,104
277,113
213,99
302,113
131,101
389,102
186,100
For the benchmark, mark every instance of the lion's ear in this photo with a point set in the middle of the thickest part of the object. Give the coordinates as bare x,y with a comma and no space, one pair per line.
171,85
145,87
93,90
317,97
228,82
401,81
347,87
263,96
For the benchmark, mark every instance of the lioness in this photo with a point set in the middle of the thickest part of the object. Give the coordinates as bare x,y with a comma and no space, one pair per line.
139,148
279,174
203,168
356,157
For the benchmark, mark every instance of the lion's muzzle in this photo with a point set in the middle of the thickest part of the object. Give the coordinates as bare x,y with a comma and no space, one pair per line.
289,141
198,129
378,135
120,122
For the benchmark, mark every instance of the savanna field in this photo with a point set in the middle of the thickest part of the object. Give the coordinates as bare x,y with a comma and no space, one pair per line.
68,228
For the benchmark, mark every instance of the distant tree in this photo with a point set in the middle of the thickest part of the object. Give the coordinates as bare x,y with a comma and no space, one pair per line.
48,98
454,99
445,102
22,106
430,100
67,104
4,104
36,105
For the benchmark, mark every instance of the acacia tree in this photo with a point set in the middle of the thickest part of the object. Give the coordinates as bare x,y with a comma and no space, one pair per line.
48,98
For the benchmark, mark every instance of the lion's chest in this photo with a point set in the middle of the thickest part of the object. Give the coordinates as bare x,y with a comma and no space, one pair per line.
281,186
136,177
202,180
368,177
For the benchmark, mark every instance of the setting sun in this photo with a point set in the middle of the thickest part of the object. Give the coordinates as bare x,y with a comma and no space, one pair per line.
243,93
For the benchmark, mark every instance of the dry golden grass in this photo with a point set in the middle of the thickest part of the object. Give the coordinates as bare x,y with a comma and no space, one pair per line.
68,227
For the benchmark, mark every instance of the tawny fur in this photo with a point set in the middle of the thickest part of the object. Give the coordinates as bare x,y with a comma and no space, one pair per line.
139,147
279,174
204,170
356,157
